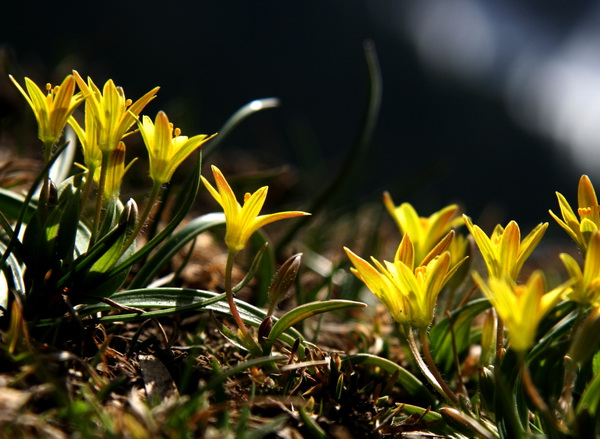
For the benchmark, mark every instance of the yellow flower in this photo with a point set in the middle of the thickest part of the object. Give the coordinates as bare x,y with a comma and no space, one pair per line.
408,292
503,252
521,307
52,110
580,229
242,221
586,286
166,152
424,232
88,137
113,113
115,171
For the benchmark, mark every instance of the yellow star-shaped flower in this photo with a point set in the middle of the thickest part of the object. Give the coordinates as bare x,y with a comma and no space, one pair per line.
580,230
586,286
503,252
425,232
88,137
521,307
167,149
241,221
408,292
52,110
113,113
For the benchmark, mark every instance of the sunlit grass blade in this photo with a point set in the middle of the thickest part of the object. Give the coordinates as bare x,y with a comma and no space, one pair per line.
14,273
169,301
311,425
590,400
247,110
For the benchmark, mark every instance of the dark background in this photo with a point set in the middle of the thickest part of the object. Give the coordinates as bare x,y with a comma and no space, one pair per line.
439,139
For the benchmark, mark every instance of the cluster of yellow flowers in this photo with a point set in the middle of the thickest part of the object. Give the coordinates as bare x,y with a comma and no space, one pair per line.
108,119
429,254
430,251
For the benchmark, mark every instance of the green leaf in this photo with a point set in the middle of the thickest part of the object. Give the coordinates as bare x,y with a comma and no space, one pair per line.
308,310
11,204
103,248
247,110
69,197
26,206
441,334
112,214
590,400
171,301
560,329
407,380
173,244
311,425
509,405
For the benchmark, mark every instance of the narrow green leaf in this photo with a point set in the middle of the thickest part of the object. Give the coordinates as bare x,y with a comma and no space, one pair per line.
82,264
429,415
308,310
11,204
170,301
13,272
247,110
26,206
590,400
69,204
406,379
560,329
311,425
441,335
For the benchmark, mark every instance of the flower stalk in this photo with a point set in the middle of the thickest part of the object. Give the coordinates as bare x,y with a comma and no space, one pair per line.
428,366
243,330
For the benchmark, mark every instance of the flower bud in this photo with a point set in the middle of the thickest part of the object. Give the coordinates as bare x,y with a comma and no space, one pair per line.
129,215
265,329
283,280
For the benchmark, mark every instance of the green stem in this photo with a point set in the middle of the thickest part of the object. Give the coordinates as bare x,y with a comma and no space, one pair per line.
434,370
99,198
251,344
537,399
432,375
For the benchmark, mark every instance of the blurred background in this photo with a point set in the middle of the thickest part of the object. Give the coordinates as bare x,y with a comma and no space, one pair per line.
494,104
